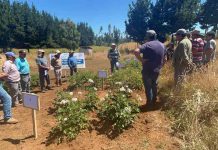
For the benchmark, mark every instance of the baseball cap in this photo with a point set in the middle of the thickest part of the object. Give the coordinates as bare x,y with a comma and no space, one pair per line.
181,32
58,52
151,33
22,51
196,32
10,54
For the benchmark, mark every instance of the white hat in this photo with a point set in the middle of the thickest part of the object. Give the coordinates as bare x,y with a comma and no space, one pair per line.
58,52
113,44
41,50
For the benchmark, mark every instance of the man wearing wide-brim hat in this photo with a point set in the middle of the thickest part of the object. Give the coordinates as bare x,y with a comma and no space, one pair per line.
182,58
13,77
56,63
197,48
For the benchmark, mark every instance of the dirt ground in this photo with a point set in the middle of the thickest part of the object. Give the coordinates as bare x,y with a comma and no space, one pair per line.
151,130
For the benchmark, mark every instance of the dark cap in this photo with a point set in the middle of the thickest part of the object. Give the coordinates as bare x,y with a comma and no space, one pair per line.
22,51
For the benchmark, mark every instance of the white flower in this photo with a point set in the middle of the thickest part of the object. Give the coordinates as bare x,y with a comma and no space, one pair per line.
106,95
129,90
71,93
102,99
123,95
122,89
95,89
74,99
118,83
65,119
91,81
63,102
80,93
126,86
128,109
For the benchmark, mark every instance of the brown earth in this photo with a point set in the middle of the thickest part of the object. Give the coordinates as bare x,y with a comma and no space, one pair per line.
150,131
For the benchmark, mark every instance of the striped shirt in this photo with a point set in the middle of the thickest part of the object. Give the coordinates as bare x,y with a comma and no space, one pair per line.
197,49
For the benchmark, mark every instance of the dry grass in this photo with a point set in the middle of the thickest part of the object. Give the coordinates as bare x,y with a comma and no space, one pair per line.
194,108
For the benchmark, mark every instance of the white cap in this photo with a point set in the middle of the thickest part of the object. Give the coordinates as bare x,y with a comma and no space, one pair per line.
113,44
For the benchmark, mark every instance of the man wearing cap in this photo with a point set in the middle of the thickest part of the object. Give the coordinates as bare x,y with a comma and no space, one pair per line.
43,67
13,77
72,63
182,58
24,69
6,99
152,61
210,48
197,48
113,56
56,63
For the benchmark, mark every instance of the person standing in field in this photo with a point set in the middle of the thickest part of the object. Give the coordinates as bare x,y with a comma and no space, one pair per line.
72,63
56,63
24,69
43,67
113,56
12,77
197,48
210,48
182,58
153,52
7,102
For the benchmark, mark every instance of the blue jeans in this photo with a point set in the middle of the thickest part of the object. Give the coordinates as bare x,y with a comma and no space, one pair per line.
25,83
150,84
6,99
113,65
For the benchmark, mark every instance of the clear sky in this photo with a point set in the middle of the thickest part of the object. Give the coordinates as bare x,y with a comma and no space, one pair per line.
95,12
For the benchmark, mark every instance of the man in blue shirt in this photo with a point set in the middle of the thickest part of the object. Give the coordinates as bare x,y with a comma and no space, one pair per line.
152,61
72,63
24,69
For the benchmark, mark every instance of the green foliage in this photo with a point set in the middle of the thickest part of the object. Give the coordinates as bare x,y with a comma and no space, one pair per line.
139,16
120,110
130,76
90,101
81,79
34,81
72,118
208,16
86,34
22,26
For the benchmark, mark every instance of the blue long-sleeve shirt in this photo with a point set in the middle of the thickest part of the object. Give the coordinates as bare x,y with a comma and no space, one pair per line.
72,62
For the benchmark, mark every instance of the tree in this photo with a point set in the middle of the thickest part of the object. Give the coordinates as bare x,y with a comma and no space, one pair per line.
170,15
86,34
139,16
208,16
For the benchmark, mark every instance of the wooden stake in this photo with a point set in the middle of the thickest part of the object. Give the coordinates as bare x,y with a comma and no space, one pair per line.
102,84
34,123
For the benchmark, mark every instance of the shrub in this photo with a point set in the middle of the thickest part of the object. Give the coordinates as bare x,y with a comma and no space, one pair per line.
129,76
34,81
120,110
81,79
72,118
90,101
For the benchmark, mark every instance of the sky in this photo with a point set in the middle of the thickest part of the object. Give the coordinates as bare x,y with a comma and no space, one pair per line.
95,12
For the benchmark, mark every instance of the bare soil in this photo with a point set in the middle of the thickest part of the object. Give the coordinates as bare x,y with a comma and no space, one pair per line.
151,130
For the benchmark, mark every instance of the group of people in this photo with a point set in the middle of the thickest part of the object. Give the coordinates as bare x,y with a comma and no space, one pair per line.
16,76
191,52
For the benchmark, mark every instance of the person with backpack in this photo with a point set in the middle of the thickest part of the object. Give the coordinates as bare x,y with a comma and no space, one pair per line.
72,63
113,56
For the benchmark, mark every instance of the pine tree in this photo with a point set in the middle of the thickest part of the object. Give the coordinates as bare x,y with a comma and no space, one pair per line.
139,16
